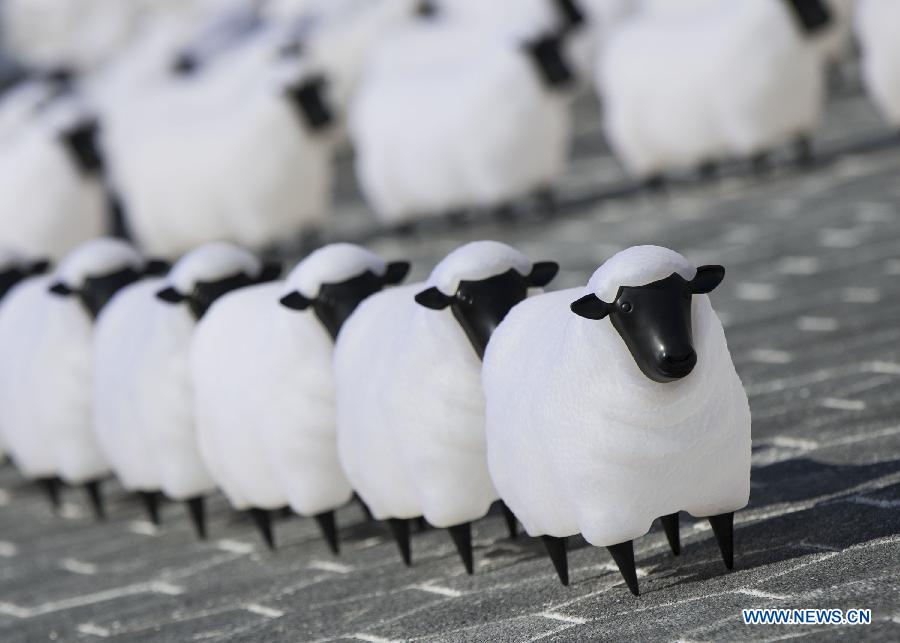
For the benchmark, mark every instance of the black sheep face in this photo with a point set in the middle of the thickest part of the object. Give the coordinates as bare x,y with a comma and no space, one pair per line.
654,321
98,290
336,302
12,276
480,306
205,293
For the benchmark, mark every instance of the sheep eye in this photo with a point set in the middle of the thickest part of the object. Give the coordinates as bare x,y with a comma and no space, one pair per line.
626,307
466,298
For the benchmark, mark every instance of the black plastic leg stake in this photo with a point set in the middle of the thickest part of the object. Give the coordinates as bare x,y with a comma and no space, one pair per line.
510,518
51,486
623,554
328,526
150,500
400,530
670,526
723,528
556,547
95,496
462,538
263,521
197,512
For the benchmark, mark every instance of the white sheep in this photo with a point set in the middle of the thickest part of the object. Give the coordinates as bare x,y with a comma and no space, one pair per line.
876,28
46,367
599,428
455,114
410,411
682,89
151,358
261,374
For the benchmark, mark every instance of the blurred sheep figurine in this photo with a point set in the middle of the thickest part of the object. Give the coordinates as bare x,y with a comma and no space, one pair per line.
46,334
410,408
151,361
736,78
600,428
876,28
262,377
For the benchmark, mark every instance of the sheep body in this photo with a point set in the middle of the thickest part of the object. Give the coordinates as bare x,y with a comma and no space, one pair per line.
580,441
876,22
751,81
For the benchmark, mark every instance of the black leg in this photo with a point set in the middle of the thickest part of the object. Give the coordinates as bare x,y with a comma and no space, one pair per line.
400,530
655,183
723,528
462,538
51,486
760,163
708,170
364,507
328,526
95,496
263,521
150,500
422,524
556,547
510,519
623,554
670,526
803,151
197,512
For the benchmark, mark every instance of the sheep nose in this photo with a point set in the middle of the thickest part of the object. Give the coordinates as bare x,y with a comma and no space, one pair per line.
678,359
680,364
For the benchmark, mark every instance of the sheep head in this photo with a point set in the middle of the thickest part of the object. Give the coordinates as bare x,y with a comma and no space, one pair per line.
97,290
13,275
480,306
205,293
654,321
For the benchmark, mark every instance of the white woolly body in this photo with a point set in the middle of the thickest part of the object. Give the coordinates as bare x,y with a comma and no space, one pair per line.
118,340
265,402
452,117
580,441
733,77
876,28
47,207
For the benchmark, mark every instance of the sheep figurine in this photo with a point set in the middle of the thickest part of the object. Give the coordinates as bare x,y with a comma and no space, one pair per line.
599,428
683,89
47,331
150,369
411,421
875,28
456,114
265,405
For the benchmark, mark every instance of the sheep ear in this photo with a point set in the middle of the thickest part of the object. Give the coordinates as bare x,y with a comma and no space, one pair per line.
706,279
61,289
156,267
295,301
590,307
39,267
170,295
542,273
271,270
396,272
433,298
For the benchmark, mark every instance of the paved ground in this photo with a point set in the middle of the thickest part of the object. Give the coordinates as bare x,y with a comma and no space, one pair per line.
811,307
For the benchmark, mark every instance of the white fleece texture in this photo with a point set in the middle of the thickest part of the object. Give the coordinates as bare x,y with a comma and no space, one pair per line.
118,341
876,29
332,264
727,78
410,406
48,379
580,441
452,116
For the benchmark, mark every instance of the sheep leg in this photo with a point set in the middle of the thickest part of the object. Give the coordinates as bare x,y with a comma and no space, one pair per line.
708,170
51,486
150,500
422,524
95,496
365,508
197,513
263,521
655,184
328,526
510,518
556,547
723,529
670,526
760,163
400,530
803,152
462,538
623,554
